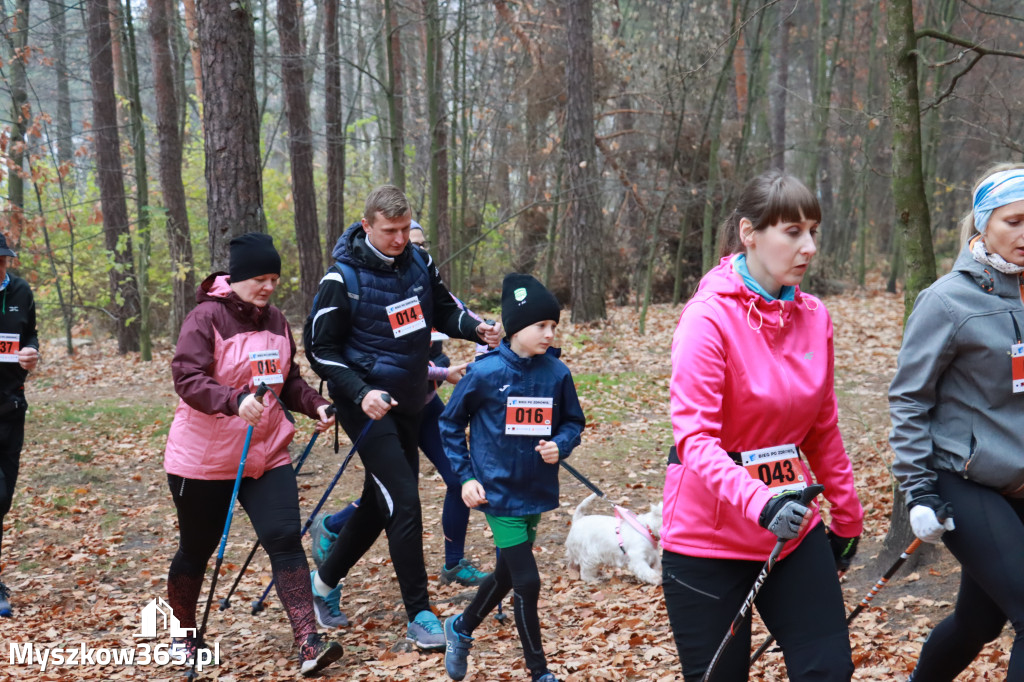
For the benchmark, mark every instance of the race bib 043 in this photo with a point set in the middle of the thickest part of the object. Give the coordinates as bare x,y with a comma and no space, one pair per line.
266,367
10,344
777,467
528,416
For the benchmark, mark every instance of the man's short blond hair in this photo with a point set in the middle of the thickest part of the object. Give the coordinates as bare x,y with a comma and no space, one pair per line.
388,201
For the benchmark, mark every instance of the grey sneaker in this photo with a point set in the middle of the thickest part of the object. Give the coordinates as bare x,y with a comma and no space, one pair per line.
328,609
456,649
425,631
463,573
322,539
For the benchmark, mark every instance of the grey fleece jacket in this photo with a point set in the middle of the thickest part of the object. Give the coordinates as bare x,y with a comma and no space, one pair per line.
952,402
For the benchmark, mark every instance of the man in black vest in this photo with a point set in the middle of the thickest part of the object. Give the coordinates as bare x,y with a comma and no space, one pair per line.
366,339
19,354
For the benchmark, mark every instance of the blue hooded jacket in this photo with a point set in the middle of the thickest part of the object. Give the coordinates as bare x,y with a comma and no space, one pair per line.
515,479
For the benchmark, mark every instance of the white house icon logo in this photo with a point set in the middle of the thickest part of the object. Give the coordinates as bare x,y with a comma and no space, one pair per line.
158,611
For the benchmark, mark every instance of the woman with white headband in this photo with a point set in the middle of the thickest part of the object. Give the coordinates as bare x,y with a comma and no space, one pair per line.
957,408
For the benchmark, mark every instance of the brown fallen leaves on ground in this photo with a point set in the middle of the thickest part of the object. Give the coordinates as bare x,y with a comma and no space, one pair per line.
93,528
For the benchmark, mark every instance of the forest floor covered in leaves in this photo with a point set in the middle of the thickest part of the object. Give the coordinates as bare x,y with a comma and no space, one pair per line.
93,528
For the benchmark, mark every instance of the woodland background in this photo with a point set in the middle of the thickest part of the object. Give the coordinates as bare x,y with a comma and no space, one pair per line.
597,145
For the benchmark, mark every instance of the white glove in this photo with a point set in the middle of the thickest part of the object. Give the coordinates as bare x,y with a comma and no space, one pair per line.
926,524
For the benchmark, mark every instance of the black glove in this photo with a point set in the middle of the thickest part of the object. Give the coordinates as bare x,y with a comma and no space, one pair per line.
843,549
783,515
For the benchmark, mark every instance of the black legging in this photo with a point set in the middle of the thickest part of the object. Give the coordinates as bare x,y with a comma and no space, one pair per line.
800,603
516,570
272,503
390,502
989,543
12,437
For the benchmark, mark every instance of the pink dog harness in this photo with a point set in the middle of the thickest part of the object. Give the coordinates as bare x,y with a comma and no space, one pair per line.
621,513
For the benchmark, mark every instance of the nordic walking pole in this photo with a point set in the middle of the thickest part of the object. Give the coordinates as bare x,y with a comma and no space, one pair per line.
806,495
225,603
227,527
866,601
257,605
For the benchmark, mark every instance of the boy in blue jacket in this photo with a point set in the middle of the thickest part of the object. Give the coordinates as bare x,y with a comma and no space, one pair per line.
521,405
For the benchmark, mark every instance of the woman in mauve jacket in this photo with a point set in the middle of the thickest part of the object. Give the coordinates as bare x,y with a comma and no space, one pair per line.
754,419
957,408
232,341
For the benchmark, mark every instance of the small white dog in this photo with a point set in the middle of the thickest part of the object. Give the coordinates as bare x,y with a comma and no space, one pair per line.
596,540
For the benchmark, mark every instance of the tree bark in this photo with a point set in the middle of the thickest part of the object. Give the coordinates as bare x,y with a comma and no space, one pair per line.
234,199
913,224
300,150
183,279
123,292
195,53
21,116
780,90
395,94
335,128
585,230
65,146
438,221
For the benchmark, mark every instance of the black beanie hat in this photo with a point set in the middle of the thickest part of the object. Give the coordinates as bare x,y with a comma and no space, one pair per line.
525,301
253,254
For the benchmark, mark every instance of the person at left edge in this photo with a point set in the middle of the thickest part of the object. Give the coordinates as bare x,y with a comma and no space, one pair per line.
19,354
384,348
232,341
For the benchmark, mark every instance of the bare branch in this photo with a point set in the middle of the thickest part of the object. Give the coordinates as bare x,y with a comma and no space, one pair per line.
963,42
991,12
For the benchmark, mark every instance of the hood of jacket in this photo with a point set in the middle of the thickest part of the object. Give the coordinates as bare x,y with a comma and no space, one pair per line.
218,289
724,280
986,277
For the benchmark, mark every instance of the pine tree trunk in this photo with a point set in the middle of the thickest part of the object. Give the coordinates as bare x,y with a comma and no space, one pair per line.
195,53
439,224
781,87
234,198
585,225
300,150
21,116
109,175
335,128
395,94
183,279
65,145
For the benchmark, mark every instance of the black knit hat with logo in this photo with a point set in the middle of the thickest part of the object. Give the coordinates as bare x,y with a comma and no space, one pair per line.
253,254
525,301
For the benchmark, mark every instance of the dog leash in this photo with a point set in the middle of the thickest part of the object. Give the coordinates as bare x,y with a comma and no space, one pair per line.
623,514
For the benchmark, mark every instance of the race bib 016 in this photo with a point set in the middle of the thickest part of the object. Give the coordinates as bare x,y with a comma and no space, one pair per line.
528,416
266,367
10,344
406,317
777,467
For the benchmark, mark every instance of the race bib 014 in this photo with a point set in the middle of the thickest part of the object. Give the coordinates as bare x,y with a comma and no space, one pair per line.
406,317
1017,360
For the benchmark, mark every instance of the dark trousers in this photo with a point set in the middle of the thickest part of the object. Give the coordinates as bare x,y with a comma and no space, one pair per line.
800,602
272,504
390,503
989,543
516,570
454,513
12,438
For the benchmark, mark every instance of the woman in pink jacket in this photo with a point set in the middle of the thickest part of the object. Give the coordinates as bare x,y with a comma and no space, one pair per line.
754,420
232,341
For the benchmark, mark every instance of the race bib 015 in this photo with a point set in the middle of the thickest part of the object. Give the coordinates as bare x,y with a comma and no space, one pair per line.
266,367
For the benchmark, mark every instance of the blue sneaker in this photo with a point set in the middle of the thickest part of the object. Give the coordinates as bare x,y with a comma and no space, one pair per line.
328,609
5,601
425,631
322,539
547,677
463,573
456,649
